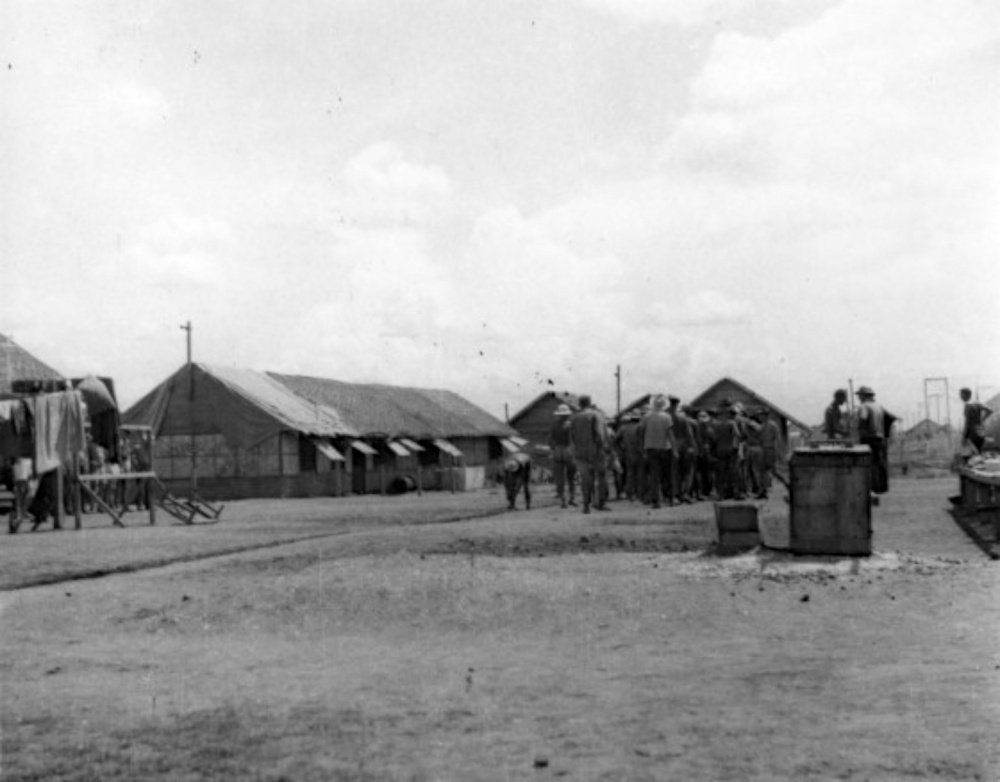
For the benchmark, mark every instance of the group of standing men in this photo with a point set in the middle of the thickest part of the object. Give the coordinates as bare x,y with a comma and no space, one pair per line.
663,453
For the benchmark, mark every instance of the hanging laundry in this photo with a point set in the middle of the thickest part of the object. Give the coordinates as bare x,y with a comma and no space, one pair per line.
15,430
59,429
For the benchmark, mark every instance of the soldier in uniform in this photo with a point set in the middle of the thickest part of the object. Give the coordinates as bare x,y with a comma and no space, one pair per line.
563,467
686,437
588,437
517,476
726,441
631,454
656,433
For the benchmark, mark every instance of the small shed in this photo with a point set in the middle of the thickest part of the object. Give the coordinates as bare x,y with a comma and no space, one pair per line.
926,430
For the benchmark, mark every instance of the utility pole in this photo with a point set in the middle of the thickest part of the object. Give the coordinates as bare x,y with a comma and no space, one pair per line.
937,407
941,381
194,451
618,389
852,426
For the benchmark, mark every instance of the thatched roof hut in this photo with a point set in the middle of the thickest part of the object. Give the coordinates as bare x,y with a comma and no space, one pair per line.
16,363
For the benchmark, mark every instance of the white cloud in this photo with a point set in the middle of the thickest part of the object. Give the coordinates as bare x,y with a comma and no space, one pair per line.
379,187
135,103
799,182
705,308
381,168
175,253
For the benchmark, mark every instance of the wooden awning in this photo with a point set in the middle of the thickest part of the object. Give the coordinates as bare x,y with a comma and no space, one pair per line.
363,447
448,448
325,447
397,448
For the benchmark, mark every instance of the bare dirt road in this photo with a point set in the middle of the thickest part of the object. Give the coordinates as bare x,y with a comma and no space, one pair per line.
384,639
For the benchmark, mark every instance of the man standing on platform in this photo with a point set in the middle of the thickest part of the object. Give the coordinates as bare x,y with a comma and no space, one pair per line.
975,416
588,438
874,427
834,425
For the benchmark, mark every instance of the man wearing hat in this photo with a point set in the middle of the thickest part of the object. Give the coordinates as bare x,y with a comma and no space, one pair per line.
563,469
726,443
704,467
588,439
627,439
874,427
686,437
657,435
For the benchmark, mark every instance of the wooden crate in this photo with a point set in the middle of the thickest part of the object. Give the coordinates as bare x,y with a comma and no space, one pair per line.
831,500
736,526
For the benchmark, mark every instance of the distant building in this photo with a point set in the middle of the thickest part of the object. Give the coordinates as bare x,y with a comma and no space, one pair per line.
245,433
729,391
926,430
534,420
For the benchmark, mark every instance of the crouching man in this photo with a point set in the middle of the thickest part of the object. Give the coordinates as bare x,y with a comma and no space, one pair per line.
517,473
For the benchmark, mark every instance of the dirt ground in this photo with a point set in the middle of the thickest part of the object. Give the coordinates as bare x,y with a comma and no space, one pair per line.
385,638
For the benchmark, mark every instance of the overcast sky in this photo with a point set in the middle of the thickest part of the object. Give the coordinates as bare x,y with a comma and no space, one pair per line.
501,198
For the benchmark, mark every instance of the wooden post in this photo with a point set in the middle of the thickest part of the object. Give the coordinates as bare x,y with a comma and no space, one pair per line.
150,500
77,492
381,479
60,497
420,479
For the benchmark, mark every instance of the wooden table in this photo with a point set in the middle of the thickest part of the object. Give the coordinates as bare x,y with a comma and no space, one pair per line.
980,494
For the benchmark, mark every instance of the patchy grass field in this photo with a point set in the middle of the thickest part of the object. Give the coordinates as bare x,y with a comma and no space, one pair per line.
392,642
